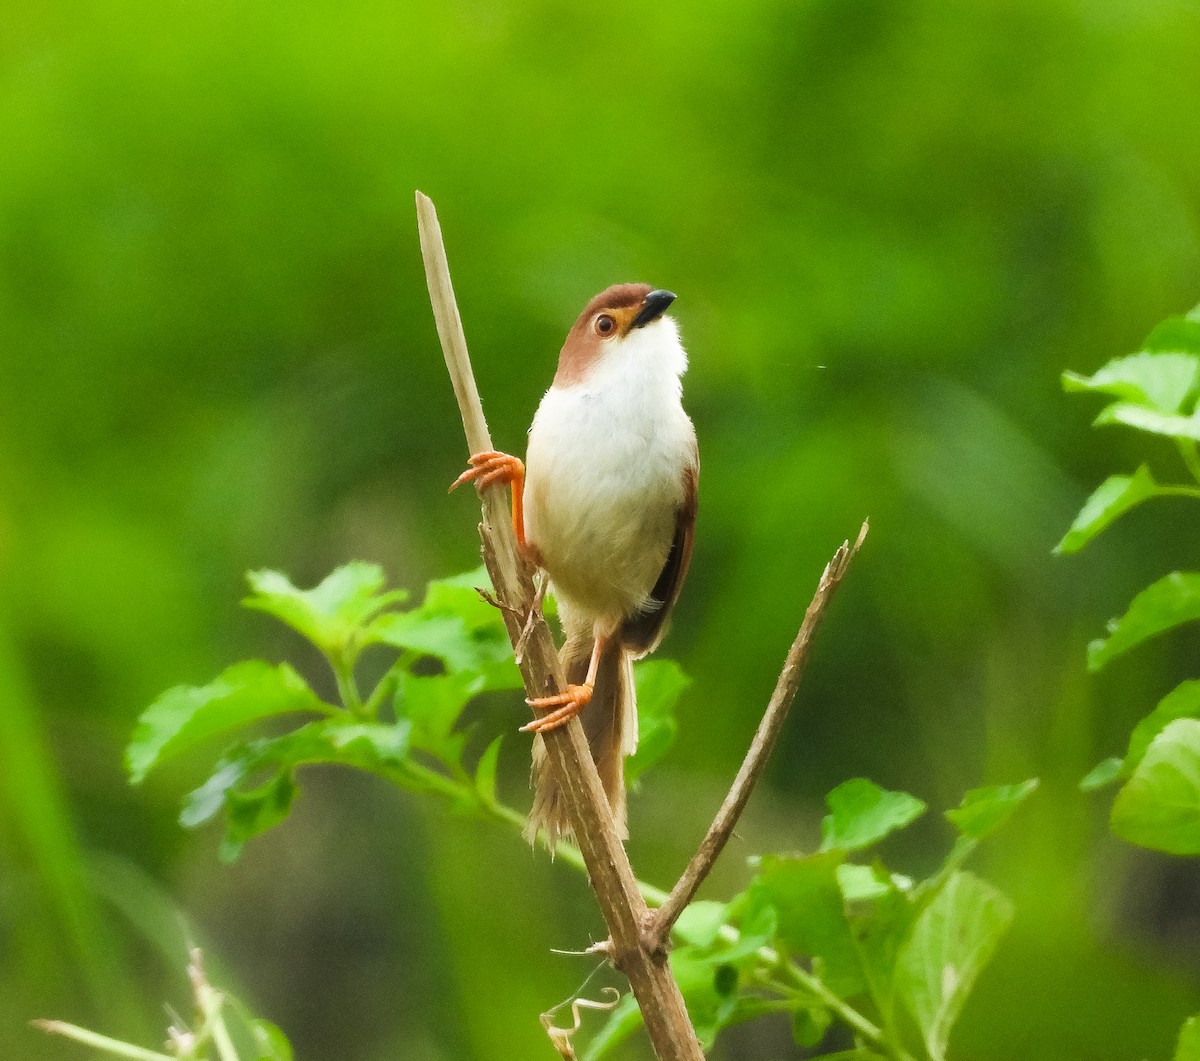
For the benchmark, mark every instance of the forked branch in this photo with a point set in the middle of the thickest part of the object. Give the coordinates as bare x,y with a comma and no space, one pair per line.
637,942
760,748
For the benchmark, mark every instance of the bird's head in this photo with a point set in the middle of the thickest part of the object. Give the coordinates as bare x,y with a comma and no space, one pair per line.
625,320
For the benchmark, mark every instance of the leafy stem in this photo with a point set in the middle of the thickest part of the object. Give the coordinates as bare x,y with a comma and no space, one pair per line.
342,663
791,900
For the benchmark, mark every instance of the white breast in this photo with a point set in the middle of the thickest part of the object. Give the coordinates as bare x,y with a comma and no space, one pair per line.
604,474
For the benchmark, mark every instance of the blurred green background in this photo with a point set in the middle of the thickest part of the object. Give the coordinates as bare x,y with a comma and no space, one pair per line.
890,225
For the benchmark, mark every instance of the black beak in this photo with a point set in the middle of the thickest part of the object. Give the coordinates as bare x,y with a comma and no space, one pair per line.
654,306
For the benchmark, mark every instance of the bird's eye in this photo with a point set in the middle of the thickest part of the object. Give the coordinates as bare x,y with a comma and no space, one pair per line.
605,325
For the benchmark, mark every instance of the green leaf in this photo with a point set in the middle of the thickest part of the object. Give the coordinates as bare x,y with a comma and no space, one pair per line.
270,1044
812,919
880,912
809,1025
757,926
485,772
952,940
455,625
701,921
709,989
1180,334
1181,702
433,705
184,716
1159,381
1159,807
1150,420
1103,773
862,814
861,883
251,810
1112,499
329,615
983,810
659,686
1188,1047
1169,602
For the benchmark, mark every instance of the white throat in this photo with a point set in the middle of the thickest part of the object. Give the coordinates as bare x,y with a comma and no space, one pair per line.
650,358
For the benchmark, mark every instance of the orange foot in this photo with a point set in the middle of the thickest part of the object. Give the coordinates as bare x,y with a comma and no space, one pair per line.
491,466
567,705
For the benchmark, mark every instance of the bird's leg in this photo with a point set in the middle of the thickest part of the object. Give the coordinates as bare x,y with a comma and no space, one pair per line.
571,700
490,467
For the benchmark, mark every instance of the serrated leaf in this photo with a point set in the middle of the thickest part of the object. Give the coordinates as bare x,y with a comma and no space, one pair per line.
812,919
455,625
185,716
1181,702
952,940
983,810
1160,381
1169,602
659,686
376,747
862,814
1159,806
1103,773
1111,499
332,613
1150,420
1188,1047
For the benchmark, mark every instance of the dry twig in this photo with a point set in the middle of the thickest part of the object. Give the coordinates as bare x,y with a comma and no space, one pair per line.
637,943
760,748
561,1037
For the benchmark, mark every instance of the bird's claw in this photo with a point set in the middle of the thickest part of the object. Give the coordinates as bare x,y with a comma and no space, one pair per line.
566,704
491,466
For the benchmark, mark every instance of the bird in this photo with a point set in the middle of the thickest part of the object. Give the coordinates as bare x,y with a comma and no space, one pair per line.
605,505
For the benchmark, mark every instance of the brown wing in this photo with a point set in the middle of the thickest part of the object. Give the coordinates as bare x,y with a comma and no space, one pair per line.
642,632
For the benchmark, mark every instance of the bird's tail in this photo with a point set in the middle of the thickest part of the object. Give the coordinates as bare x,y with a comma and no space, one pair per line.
610,722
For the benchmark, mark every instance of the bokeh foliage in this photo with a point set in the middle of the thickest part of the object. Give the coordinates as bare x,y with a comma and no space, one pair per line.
891,226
